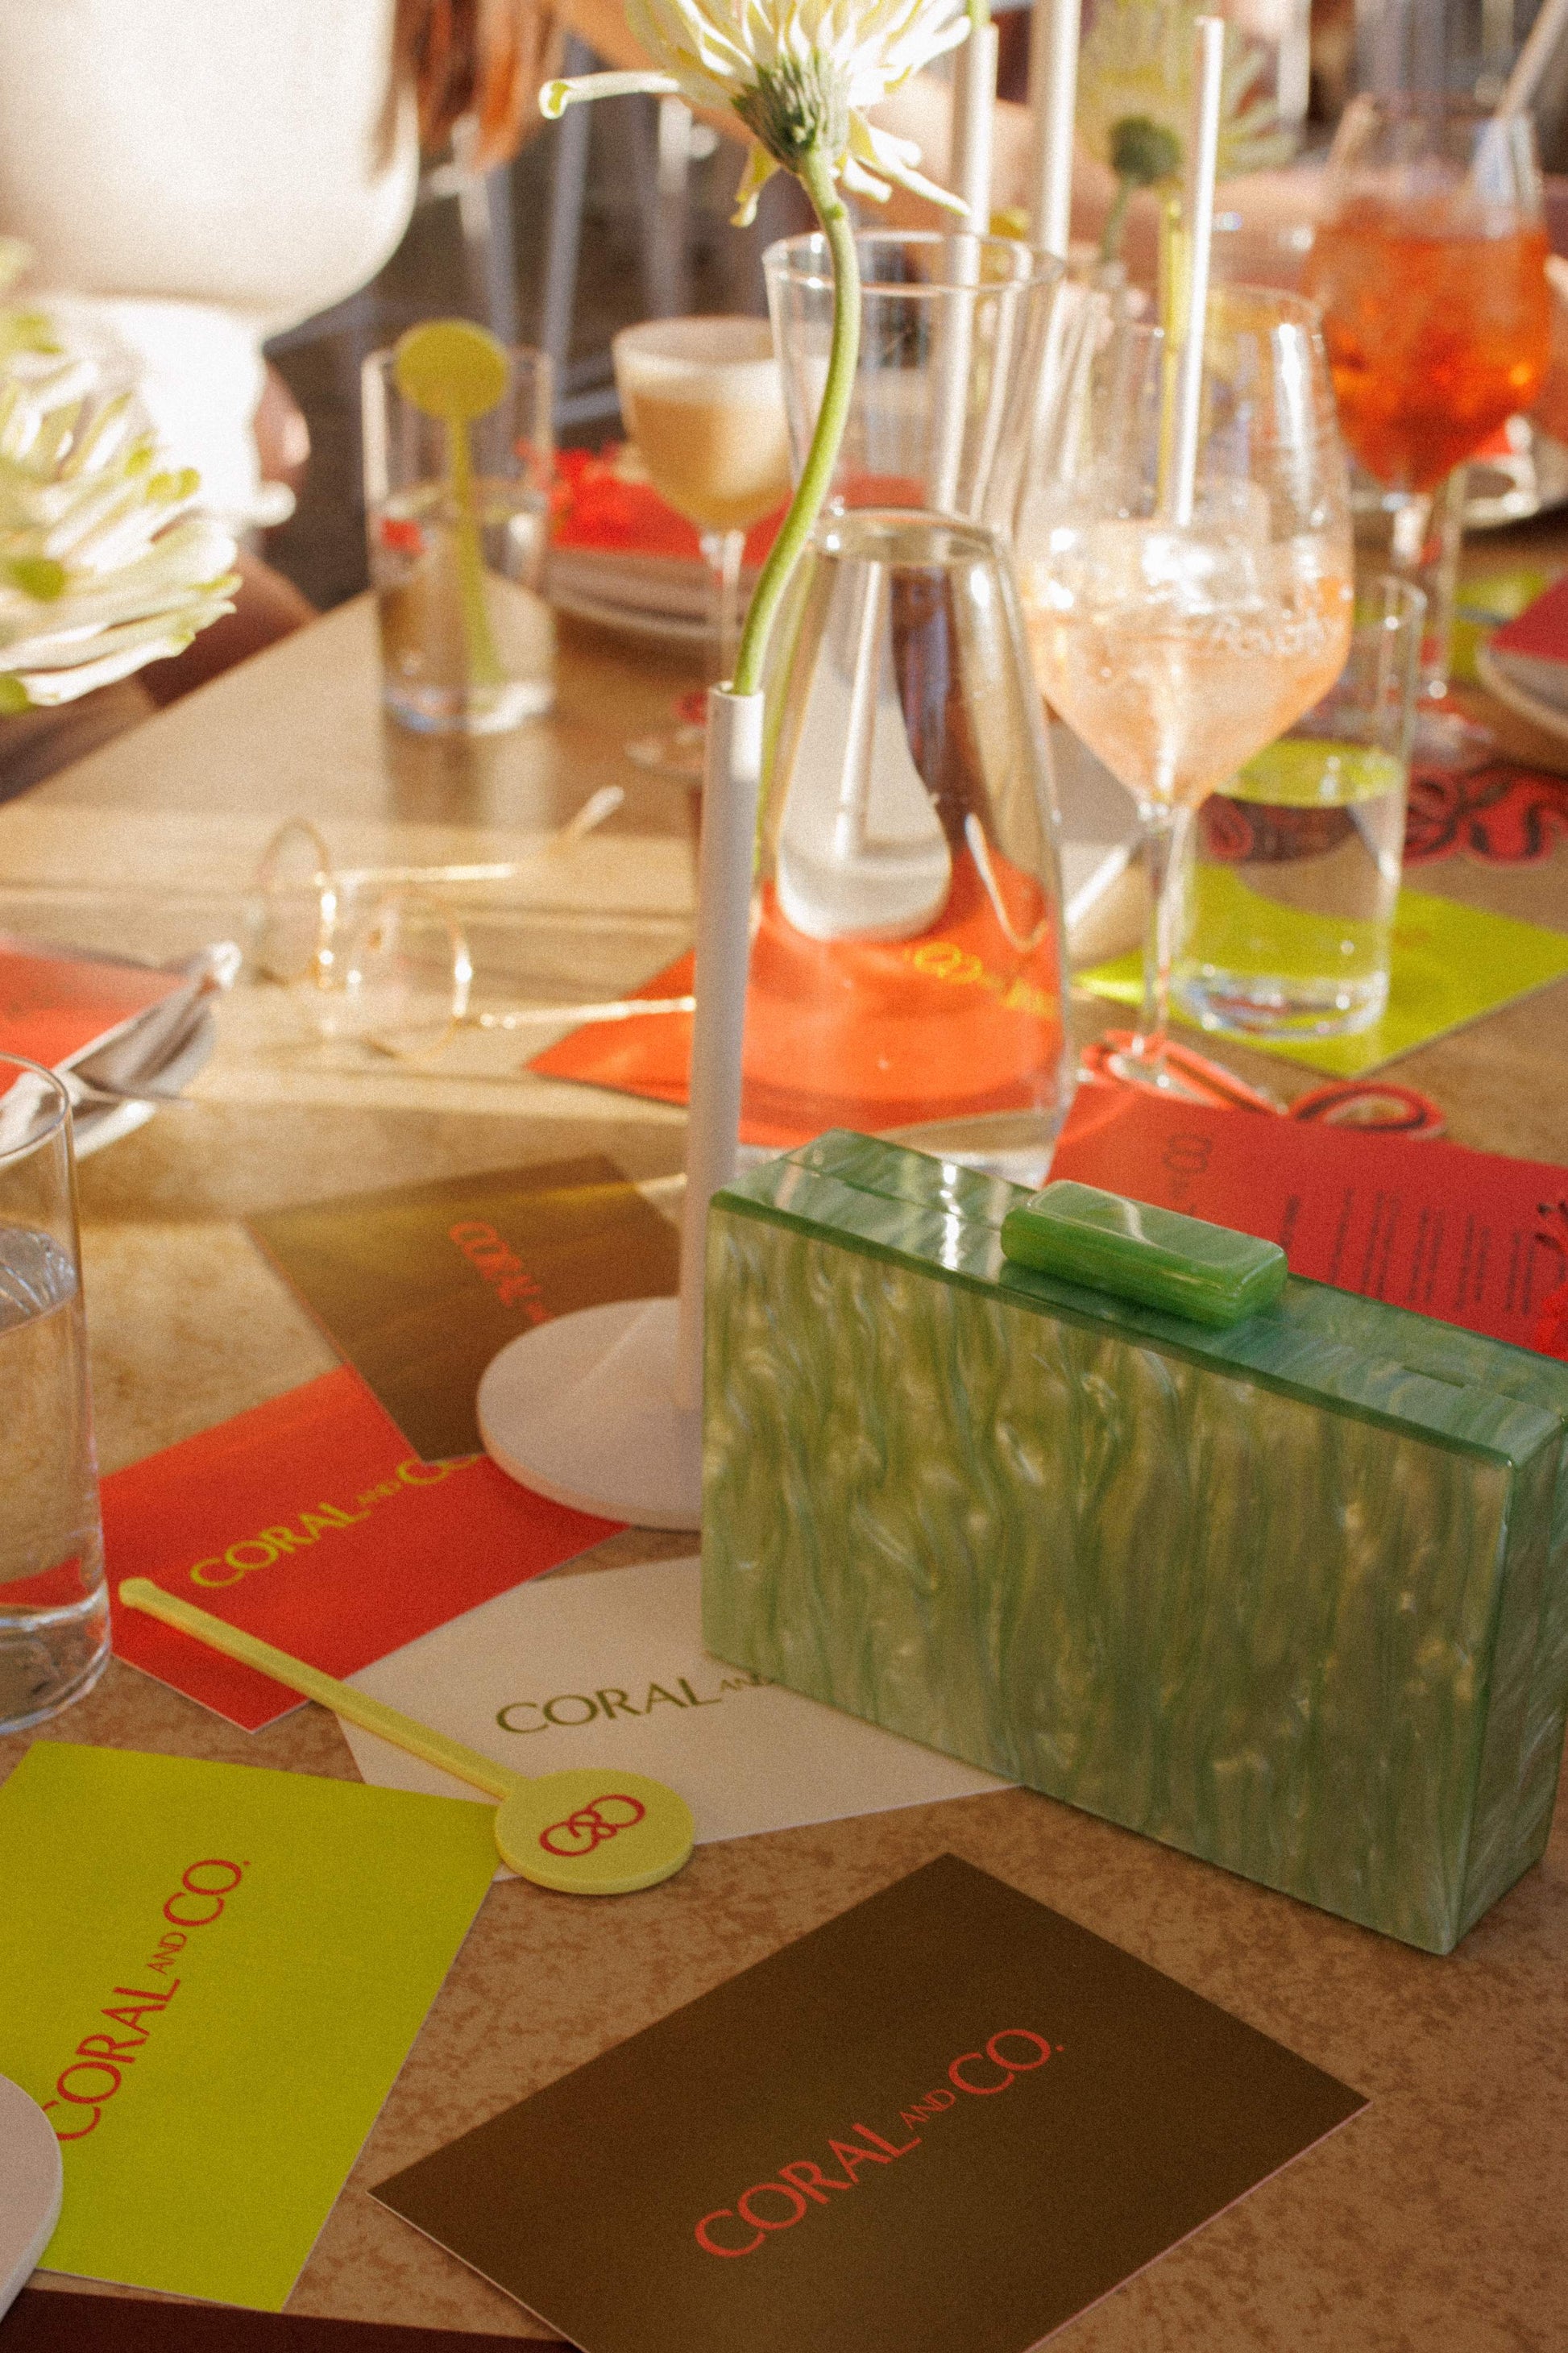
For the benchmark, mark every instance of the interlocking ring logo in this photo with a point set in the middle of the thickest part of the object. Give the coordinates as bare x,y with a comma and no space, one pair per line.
578,1834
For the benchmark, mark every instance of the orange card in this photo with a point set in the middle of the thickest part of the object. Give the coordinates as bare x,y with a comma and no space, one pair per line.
54,1005
309,1521
846,1033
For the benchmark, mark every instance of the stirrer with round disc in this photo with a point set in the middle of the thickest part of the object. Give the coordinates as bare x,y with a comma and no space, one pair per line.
456,371
589,1830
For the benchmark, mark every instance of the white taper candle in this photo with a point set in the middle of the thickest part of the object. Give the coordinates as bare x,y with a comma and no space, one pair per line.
1053,101
1203,156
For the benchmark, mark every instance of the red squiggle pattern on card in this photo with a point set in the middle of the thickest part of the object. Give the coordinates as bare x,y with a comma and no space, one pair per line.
1500,814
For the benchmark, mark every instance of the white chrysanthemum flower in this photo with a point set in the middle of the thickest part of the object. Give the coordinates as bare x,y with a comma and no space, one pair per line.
800,75
1135,68
103,565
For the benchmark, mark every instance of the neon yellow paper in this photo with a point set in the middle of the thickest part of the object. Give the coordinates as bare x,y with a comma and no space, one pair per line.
1450,965
212,1974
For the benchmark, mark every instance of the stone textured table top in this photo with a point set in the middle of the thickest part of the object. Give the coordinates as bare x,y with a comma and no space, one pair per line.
1437,2220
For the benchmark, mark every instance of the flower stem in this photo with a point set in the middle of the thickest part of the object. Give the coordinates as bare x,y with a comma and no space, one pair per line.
816,474
1115,222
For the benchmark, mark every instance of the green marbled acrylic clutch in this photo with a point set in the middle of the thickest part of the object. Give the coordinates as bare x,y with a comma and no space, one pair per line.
1293,1596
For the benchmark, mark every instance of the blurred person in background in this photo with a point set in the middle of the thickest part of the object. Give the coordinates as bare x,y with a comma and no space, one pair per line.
192,176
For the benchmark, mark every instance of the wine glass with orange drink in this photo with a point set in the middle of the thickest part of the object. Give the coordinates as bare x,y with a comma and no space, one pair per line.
1176,651
1429,267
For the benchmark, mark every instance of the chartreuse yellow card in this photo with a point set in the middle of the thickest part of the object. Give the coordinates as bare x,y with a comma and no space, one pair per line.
212,1974
1449,964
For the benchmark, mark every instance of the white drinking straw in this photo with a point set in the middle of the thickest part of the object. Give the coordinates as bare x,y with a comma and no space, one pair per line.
974,114
1534,58
1202,157
1053,101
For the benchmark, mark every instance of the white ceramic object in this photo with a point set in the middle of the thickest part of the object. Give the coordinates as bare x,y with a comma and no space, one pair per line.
582,1410
31,2180
862,854
603,1409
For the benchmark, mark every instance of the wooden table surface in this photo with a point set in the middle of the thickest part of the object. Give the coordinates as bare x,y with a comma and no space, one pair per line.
1436,2220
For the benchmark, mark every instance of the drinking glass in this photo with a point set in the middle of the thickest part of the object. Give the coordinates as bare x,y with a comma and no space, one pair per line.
1295,864
701,400
1429,265
906,973
467,642
54,1607
956,340
1177,651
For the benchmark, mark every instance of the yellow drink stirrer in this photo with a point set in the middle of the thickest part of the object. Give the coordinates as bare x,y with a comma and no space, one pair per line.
585,1832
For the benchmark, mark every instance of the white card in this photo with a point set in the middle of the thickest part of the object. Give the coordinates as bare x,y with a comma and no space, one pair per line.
608,1668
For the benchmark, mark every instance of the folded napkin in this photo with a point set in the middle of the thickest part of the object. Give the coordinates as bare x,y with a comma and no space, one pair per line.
110,1027
614,542
607,502
1530,653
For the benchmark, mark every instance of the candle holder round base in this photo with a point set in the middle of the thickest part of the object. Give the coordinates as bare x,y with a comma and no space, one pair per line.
582,1410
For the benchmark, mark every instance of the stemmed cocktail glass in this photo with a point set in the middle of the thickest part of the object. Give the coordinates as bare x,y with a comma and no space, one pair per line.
1429,267
1178,650
702,400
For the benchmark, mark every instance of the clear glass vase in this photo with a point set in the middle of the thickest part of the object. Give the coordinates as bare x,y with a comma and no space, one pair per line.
906,972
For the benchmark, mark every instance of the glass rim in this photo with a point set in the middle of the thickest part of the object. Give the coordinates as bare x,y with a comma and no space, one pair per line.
786,261
60,1117
648,331
1431,105
1297,310
976,538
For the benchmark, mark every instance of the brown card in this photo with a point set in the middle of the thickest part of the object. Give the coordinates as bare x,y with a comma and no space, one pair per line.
421,1285
947,2118
42,2321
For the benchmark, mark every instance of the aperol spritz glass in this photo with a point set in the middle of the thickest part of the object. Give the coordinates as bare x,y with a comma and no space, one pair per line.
1429,267
1176,651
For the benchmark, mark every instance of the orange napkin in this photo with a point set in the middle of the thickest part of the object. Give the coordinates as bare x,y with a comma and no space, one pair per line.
960,1021
601,503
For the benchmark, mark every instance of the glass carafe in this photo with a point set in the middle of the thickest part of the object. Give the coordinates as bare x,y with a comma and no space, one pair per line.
907,962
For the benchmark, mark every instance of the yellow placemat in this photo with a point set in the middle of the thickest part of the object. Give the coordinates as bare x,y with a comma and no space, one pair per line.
1450,965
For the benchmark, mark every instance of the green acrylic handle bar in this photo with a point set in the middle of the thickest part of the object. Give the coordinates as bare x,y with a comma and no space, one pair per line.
1157,1257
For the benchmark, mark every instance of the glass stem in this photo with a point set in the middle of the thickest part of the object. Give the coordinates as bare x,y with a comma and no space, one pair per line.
722,551
1165,835
1423,536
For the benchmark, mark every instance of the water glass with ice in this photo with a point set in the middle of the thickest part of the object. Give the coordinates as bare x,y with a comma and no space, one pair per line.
1291,895
54,1608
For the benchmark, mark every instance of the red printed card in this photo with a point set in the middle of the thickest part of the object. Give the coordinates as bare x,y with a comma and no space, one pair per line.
1469,1237
309,1521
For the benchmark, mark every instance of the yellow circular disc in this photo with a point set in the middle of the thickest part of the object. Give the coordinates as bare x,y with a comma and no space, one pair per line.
594,1831
450,368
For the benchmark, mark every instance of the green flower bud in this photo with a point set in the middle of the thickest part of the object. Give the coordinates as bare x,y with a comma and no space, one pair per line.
1143,152
795,106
